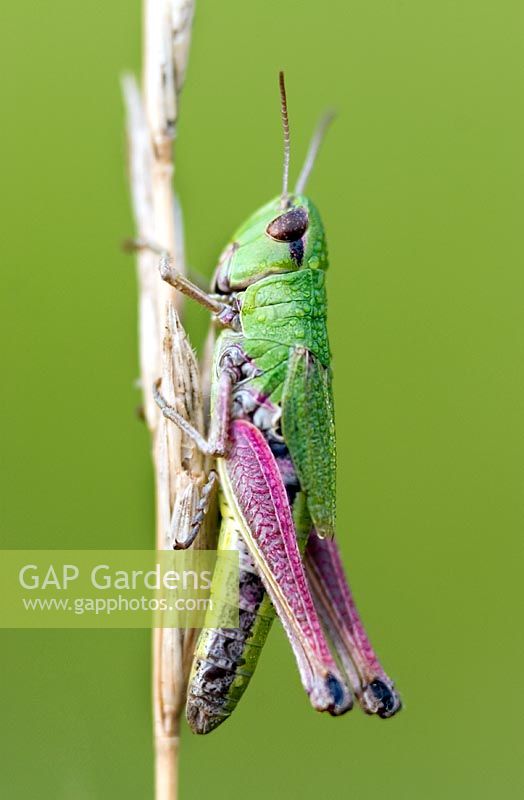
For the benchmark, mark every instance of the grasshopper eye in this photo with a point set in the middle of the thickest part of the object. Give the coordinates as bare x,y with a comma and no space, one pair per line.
289,227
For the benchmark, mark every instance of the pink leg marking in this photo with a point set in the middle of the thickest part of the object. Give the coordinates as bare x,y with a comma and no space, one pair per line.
260,497
333,598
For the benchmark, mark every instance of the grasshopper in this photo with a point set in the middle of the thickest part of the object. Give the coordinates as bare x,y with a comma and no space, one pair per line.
272,434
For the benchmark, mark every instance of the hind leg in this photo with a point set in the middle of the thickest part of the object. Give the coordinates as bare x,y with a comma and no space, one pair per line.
334,601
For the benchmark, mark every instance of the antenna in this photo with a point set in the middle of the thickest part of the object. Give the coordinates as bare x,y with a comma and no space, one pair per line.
312,153
285,125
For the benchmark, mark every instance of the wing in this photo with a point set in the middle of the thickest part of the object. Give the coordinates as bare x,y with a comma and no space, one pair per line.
308,427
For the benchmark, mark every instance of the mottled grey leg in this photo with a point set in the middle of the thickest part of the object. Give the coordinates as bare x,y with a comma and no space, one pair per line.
224,312
217,442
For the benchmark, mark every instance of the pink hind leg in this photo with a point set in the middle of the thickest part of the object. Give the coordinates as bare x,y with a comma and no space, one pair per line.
334,601
253,485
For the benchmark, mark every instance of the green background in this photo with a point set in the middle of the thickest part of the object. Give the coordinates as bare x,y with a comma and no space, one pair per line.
421,186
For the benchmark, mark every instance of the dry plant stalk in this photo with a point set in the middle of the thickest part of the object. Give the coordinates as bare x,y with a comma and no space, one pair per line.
152,115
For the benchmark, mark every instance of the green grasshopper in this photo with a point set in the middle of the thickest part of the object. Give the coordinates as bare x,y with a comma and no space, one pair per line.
272,433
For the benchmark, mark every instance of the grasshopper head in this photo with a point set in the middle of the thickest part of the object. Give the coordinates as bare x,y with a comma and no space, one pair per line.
286,234
273,240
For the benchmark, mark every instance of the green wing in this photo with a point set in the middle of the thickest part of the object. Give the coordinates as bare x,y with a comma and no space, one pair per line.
308,427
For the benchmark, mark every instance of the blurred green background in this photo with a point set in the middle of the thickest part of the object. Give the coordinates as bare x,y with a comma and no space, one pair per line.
421,185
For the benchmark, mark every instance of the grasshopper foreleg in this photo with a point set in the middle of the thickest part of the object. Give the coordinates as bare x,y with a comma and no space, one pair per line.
225,313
